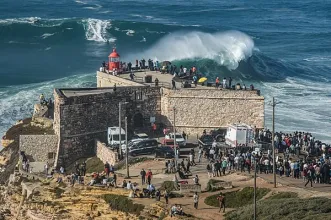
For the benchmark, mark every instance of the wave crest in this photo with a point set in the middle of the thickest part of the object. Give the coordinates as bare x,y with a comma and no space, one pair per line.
226,48
96,30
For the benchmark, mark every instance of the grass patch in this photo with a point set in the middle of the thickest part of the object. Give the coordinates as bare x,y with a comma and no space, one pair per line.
211,182
122,203
239,198
285,209
284,195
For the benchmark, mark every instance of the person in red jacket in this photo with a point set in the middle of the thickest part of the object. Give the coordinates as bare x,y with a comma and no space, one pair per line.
149,176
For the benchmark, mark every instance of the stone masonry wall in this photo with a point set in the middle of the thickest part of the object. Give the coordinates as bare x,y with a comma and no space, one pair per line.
38,147
79,120
105,154
197,110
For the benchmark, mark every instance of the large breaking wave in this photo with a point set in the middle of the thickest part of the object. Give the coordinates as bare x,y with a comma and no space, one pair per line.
225,48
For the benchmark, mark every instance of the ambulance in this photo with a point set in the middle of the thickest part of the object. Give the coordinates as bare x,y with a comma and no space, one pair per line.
239,135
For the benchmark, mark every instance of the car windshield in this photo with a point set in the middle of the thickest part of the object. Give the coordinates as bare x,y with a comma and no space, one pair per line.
143,136
178,136
207,138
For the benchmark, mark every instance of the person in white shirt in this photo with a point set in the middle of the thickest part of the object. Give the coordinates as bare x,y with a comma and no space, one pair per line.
224,83
184,71
196,200
129,185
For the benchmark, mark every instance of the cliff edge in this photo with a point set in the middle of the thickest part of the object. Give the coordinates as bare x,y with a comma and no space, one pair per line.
10,154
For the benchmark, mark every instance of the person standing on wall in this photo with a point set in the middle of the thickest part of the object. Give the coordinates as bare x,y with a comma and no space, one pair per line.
217,82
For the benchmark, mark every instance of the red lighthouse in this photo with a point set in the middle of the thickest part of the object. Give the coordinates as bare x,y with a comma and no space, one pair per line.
114,61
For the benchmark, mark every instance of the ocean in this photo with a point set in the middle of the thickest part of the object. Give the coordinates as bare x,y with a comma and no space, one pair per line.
282,47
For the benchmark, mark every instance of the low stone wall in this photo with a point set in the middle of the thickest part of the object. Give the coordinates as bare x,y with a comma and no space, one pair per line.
105,154
39,148
108,80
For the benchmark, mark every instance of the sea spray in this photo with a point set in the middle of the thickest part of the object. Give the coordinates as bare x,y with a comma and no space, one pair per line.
226,48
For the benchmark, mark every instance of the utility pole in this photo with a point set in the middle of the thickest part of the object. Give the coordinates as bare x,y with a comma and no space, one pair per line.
127,148
175,143
272,140
120,127
255,188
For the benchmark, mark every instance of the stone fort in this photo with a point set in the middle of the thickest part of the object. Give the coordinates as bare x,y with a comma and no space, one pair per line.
82,115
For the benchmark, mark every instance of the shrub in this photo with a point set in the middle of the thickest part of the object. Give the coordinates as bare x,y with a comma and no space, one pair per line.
169,185
238,198
123,204
284,195
211,182
286,209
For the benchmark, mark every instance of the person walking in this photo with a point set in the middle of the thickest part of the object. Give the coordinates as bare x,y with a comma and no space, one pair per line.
309,177
196,200
143,176
166,196
221,200
149,177
199,154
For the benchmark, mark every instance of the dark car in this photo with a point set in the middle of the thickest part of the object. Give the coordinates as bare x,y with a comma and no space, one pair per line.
143,147
165,152
219,134
206,141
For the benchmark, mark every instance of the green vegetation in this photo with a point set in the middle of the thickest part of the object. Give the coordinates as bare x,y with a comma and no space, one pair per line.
211,182
93,164
286,209
239,198
122,203
284,195
169,185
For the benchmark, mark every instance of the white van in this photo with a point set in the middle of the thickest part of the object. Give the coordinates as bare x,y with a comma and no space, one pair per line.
179,139
238,135
113,136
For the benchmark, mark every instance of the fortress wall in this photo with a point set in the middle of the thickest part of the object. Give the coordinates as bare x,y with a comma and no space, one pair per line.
108,80
39,148
197,110
81,119
105,154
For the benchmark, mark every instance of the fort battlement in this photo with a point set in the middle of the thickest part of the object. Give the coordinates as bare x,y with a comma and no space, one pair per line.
83,115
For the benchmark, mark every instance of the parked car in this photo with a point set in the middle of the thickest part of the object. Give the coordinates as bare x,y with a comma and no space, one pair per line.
143,147
179,138
164,152
140,136
169,142
206,141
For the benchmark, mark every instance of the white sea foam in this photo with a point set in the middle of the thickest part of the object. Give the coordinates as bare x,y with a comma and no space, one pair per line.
27,20
48,48
96,30
129,32
143,40
16,102
226,48
81,2
318,59
303,106
46,35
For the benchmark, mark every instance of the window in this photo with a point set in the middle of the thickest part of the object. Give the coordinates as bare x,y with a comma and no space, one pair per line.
138,95
51,155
